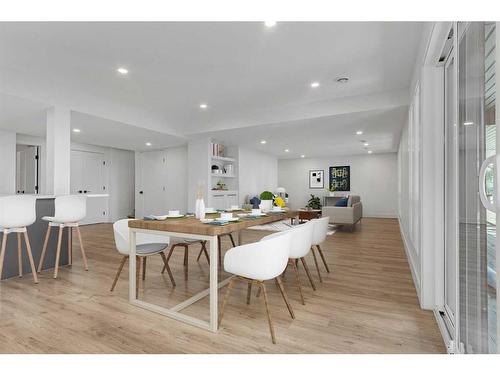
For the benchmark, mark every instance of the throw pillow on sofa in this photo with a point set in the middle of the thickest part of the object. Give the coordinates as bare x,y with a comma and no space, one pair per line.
341,202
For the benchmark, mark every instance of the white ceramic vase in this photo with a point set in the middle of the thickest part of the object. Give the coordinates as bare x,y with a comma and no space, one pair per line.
200,209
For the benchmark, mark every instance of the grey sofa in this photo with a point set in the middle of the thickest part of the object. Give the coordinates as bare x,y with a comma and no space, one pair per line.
349,215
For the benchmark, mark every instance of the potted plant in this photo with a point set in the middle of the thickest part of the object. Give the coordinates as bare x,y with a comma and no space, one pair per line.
332,191
266,203
313,203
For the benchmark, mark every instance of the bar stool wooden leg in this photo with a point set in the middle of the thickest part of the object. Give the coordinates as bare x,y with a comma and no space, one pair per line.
144,268
166,266
269,319
224,302
58,251
70,246
44,249
296,271
323,258
317,266
19,255
122,263
30,257
137,273
308,273
2,252
84,257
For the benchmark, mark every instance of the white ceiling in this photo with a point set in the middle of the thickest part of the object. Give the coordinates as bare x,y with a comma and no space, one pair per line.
249,75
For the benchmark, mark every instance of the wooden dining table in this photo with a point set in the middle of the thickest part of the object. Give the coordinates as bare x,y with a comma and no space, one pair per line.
191,228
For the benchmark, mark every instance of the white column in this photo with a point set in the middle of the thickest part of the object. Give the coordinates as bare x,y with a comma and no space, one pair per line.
58,151
7,162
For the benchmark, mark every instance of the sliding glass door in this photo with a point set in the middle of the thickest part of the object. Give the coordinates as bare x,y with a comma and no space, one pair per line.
470,153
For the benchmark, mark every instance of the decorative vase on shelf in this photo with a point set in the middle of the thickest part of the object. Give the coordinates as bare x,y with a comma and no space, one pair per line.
199,212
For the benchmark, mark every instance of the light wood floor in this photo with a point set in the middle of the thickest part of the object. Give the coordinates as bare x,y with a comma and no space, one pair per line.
368,304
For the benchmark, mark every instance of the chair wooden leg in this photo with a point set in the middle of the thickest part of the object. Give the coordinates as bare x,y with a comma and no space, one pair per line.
166,266
185,256
297,278
19,255
219,246
168,257
308,273
186,261
144,268
257,294
232,239
70,246
323,258
122,263
199,254
84,257
2,252
204,249
284,295
58,252
317,266
44,249
271,328
30,257
137,273
224,301
249,292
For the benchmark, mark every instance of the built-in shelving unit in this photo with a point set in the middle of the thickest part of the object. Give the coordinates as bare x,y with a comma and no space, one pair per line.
201,159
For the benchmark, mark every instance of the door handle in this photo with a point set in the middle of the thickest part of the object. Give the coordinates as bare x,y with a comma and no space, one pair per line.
482,186
141,192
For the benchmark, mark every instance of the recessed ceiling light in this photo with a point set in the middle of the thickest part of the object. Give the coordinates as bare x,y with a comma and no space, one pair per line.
366,144
302,156
263,142
468,123
359,132
270,23
314,84
287,150
122,70
342,79
148,143
76,130
370,151
203,106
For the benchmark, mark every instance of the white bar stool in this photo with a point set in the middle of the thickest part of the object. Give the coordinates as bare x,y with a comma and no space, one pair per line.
69,210
17,213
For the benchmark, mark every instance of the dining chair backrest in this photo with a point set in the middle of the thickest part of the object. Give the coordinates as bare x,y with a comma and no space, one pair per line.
70,208
301,240
122,240
320,230
17,211
261,260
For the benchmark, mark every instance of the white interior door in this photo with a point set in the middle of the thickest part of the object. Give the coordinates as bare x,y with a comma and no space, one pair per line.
154,182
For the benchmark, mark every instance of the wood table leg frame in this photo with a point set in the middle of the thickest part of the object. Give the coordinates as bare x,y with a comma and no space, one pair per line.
174,313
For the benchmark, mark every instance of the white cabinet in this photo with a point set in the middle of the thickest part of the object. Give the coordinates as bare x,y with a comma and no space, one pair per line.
222,200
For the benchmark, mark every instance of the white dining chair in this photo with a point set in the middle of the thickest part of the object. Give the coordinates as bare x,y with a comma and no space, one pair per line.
146,245
300,246
319,235
256,263
69,211
17,213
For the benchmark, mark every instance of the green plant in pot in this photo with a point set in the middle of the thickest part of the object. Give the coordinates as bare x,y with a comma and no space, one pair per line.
314,203
267,199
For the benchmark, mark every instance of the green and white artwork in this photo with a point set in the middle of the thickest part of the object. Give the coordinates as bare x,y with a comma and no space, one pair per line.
340,178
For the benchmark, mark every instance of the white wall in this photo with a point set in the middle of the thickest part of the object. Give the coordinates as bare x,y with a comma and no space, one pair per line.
121,183
258,172
373,177
7,162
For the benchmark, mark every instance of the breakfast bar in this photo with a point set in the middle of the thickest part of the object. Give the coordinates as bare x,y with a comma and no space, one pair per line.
191,228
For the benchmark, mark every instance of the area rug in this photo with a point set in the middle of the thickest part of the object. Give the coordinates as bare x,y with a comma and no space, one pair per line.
280,226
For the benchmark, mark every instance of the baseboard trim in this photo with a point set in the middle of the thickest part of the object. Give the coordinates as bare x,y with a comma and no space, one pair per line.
414,274
381,216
